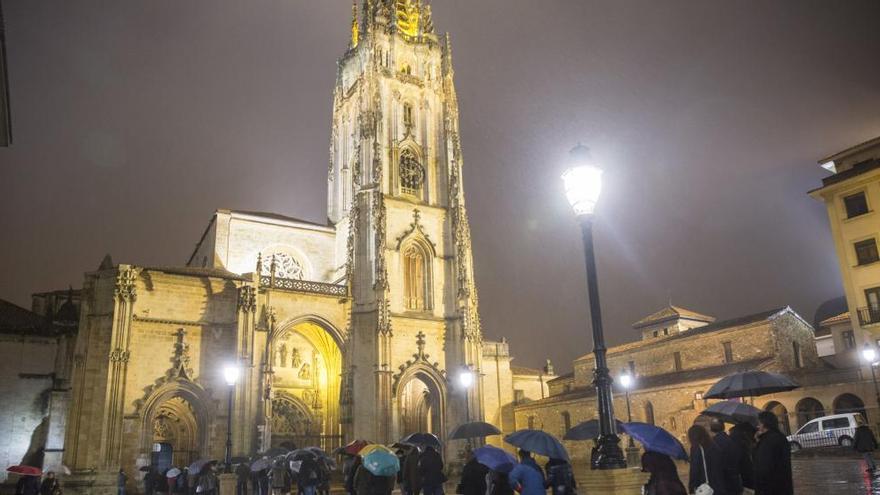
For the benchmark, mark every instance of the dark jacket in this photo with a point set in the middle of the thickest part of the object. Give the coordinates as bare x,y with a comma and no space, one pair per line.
864,440
773,465
431,468
714,466
350,473
412,481
497,484
308,474
743,435
730,460
473,479
368,484
560,477
50,486
664,475
28,485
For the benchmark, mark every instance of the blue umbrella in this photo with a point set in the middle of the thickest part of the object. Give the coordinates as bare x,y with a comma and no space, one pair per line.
538,442
588,430
495,459
382,462
656,439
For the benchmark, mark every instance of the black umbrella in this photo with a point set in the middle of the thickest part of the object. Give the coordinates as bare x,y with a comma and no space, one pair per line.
275,452
750,384
733,412
423,439
588,430
475,429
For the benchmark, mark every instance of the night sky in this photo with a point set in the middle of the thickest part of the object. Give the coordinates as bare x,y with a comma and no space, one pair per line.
134,120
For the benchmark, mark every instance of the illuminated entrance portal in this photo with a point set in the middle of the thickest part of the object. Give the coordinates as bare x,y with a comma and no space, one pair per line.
307,365
174,434
419,407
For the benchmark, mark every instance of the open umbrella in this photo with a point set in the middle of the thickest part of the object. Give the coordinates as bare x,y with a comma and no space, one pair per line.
196,467
538,442
382,461
588,430
145,469
733,412
301,455
750,384
475,429
276,451
261,464
173,473
351,449
422,439
369,448
655,439
495,459
22,470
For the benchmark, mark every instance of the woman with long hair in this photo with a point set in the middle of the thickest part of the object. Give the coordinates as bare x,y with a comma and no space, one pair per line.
664,475
707,466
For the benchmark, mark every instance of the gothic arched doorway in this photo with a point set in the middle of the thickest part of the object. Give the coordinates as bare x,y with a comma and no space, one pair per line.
174,429
306,361
419,404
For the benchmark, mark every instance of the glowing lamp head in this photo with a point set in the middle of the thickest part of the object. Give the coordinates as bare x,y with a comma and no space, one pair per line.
869,354
583,181
466,378
626,380
230,374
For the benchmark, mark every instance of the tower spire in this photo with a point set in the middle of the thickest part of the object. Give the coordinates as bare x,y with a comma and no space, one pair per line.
355,30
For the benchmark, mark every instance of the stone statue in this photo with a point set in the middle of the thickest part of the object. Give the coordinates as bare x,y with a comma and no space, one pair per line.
295,360
283,355
305,372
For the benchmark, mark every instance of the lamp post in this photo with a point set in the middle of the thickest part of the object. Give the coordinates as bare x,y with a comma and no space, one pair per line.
869,355
626,381
230,374
583,185
466,381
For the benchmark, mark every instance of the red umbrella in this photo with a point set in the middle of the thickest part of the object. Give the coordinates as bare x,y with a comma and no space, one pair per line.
25,470
353,448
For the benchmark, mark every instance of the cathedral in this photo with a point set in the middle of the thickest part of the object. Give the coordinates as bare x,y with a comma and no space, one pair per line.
357,328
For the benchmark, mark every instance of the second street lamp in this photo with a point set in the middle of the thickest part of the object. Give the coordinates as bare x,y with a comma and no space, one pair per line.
626,381
230,374
869,355
583,185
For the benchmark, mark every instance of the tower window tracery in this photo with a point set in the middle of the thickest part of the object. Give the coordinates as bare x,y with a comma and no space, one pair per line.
408,121
416,278
412,174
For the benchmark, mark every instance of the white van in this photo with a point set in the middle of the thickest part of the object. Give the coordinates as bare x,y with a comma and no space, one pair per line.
827,431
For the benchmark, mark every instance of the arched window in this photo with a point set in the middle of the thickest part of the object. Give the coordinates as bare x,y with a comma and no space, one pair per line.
408,121
566,422
808,409
412,174
416,278
406,69
649,413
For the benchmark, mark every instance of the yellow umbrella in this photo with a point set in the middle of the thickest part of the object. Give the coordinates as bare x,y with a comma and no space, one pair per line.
373,447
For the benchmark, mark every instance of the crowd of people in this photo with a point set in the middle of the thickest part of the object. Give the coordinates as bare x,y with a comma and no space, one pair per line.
32,485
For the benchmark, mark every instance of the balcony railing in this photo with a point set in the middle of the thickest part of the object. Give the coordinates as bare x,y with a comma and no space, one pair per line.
304,286
869,316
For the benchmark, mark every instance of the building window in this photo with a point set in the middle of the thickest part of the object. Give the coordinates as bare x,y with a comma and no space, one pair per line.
676,357
408,116
566,422
416,280
632,368
531,422
866,251
856,204
412,175
406,69
656,333
728,352
849,339
798,358
649,413
665,331
519,396
872,295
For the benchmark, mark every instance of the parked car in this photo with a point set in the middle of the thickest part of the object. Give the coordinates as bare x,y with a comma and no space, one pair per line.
827,431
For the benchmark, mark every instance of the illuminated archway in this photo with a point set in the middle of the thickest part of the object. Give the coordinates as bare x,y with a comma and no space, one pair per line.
420,402
306,360
176,416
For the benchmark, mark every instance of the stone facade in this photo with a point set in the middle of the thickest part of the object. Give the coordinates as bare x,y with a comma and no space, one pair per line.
674,371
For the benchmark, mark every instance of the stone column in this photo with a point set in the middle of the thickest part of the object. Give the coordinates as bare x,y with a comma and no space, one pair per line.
244,415
125,295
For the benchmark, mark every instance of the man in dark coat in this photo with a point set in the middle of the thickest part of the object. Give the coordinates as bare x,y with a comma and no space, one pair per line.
865,443
772,458
743,435
412,481
28,485
473,477
731,455
431,471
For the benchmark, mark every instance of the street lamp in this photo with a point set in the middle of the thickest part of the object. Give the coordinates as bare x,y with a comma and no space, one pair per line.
230,374
869,355
627,381
583,185
466,380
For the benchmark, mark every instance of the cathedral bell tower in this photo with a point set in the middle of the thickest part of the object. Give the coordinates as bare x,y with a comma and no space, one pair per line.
396,198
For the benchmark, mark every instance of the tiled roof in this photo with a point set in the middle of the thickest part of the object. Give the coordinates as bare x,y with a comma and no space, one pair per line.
197,272
567,376
841,318
15,319
522,370
672,313
712,327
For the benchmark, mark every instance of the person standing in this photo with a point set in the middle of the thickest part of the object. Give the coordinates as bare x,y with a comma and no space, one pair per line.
28,485
865,443
281,478
527,477
743,434
560,478
366,483
473,477
412,482
350,473
431,471
706,464
242,474
121,478
730,458
497,484
772,458
664,478
50,485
